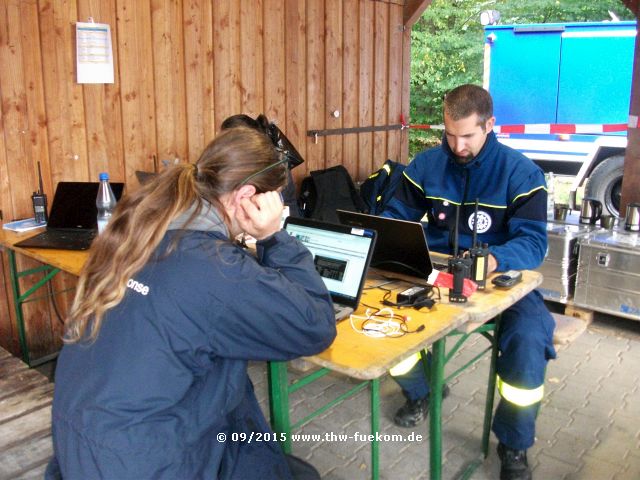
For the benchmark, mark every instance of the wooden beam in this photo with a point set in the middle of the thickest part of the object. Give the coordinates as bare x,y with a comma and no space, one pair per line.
631,175
633,5
412,11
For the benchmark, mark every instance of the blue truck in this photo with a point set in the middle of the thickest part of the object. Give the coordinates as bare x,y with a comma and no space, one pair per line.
561,96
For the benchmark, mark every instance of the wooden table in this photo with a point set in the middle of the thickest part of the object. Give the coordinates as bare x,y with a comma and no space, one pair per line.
54,261
368,359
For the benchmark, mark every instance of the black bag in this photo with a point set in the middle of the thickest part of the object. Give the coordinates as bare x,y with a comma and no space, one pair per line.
378,189
324,191
289,196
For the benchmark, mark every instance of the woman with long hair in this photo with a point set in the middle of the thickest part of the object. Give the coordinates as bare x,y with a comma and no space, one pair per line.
152,381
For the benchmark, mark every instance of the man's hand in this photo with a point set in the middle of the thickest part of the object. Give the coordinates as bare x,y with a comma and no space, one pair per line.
260,215
492,264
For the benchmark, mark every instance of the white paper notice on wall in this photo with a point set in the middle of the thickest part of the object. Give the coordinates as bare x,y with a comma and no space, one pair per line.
94,53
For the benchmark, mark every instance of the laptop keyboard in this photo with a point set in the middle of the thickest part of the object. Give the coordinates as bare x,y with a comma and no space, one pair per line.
341,312
58,235
60,239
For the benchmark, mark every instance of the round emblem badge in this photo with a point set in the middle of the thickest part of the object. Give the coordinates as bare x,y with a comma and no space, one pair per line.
484,221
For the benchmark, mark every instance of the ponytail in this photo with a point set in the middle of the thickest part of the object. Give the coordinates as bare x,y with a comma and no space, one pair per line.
142,218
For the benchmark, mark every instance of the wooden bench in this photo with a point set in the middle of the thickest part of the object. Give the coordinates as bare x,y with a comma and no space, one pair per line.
569,328
25,419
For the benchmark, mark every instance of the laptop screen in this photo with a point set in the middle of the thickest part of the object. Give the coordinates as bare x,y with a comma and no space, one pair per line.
74,205
401,246
341,255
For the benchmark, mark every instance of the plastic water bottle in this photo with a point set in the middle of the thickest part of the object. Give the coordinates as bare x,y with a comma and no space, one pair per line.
105,202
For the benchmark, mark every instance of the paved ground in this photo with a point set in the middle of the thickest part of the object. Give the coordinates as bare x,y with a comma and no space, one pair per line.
588,427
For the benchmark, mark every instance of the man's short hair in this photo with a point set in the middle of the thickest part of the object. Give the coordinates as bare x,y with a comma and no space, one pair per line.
465,100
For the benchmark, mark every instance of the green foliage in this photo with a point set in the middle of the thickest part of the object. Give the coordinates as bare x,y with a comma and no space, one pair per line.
549,11
447,48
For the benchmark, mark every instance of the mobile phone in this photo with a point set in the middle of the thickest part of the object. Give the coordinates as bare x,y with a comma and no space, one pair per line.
507,279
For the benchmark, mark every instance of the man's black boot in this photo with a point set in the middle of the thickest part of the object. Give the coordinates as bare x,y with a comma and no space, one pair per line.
414,412
514,463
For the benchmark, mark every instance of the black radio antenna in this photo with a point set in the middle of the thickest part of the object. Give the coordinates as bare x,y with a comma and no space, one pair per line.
474,243
455,232
40,179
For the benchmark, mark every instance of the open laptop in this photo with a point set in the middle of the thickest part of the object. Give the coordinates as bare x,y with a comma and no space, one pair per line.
341,255
401,246
72,222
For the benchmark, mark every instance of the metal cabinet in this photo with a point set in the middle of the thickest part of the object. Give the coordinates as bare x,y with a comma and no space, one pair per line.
608,278
561,262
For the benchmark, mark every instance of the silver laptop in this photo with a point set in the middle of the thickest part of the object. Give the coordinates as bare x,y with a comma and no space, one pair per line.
341,255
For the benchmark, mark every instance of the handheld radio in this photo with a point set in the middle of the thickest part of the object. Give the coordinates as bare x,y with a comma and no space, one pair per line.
39,201
459,267
479,254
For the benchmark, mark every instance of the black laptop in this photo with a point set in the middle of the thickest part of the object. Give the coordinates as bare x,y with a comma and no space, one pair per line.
401,246
72,222
341,255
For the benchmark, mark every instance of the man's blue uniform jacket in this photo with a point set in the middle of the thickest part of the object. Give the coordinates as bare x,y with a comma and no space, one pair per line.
512,199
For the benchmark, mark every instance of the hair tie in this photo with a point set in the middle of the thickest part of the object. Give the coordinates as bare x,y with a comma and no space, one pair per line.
195,170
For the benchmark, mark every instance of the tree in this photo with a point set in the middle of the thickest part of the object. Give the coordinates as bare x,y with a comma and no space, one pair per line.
447,48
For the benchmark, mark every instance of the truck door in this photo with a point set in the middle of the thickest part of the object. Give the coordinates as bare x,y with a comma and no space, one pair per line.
525,81
595,75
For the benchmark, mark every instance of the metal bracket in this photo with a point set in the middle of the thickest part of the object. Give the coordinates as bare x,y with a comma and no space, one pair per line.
342,131
603,259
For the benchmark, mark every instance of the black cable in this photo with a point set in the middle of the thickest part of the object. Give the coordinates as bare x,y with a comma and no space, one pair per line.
404,280
380,285
417,304
415,271
53,302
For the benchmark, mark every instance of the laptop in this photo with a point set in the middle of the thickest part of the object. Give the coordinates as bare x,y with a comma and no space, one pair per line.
72,222
341,255
401,246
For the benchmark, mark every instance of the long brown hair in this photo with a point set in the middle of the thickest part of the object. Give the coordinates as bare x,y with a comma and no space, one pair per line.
141,219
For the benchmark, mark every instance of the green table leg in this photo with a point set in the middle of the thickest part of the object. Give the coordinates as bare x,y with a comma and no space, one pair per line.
15,288
19,299
375,428
279,402
491,389
436,375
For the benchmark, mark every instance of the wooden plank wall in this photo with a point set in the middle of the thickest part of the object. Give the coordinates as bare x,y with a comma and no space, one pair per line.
182,67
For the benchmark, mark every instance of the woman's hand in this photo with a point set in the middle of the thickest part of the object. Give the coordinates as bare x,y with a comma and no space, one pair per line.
260,214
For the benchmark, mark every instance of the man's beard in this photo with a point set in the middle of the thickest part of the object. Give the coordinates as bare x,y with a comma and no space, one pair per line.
463,160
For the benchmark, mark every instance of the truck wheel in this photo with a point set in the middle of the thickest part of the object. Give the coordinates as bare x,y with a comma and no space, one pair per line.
605,184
